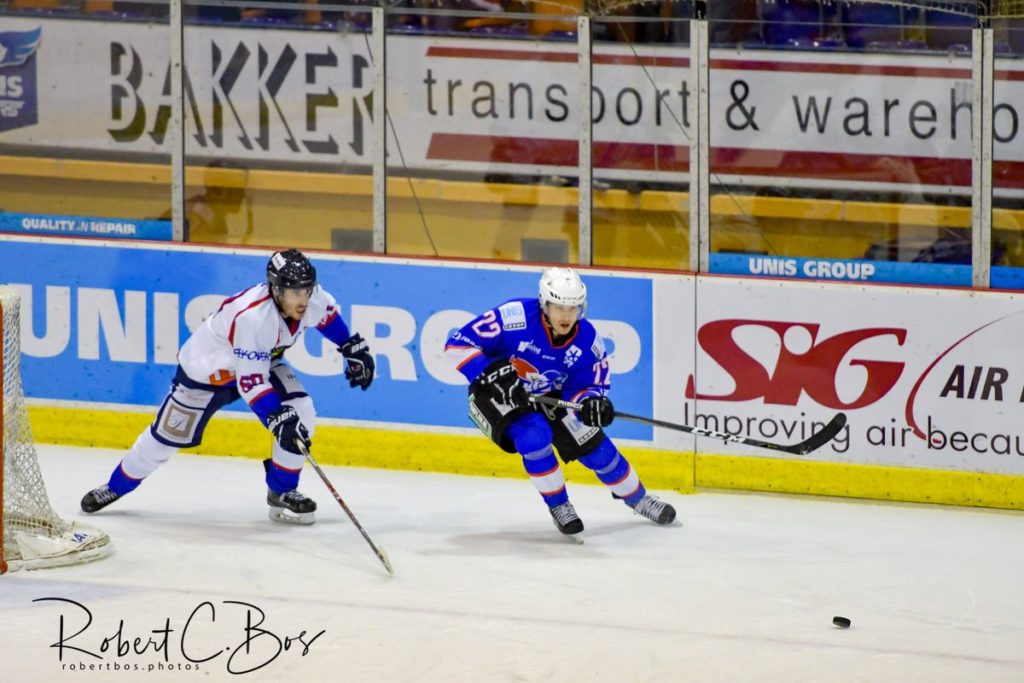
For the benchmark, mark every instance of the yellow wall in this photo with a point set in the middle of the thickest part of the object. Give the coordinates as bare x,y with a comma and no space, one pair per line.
429,217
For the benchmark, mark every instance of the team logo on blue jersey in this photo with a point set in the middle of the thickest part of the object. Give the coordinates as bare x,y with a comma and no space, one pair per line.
537,382
528,345
18,105
572,354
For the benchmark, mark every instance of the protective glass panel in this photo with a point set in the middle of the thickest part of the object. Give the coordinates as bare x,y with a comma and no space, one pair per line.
1008,151
642,111
82,139
482,130
841,144
277,125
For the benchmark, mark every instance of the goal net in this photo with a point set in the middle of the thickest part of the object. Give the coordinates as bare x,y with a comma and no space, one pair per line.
32,534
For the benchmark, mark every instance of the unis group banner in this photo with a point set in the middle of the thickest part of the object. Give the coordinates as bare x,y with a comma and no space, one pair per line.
811,118
928,378
106,325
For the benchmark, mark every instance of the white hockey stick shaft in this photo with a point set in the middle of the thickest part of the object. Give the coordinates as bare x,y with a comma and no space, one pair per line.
379,552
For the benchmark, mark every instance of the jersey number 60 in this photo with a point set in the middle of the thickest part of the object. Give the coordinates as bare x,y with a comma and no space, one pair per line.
247,382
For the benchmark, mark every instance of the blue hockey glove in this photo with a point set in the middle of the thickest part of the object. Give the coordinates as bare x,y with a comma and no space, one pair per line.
359,363
284,423
597,411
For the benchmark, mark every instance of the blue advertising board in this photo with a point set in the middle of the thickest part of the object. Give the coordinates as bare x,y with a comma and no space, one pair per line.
104,322
860,270
84,226
842,270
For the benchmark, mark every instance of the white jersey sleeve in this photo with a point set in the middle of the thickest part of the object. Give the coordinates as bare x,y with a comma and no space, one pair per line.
246,334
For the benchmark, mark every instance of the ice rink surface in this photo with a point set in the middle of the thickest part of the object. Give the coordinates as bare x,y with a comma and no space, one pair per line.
744,589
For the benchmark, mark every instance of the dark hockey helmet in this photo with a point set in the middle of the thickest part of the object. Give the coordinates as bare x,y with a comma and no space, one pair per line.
290,270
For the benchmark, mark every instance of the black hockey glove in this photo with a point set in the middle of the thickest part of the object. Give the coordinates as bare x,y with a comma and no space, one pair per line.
284,423
597,411
503,385
359,363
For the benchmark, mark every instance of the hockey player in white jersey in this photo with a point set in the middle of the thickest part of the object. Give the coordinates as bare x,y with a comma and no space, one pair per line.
239,352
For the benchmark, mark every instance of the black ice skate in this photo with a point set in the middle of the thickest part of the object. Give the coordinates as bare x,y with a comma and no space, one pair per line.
291,507
655,510
566,519
98,498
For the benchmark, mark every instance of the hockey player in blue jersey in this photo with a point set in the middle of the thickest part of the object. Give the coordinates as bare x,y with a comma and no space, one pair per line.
546,346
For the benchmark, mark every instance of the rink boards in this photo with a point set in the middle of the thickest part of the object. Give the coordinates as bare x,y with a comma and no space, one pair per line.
930,379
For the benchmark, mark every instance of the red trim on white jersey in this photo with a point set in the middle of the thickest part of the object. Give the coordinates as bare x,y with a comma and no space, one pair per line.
254,304
255,398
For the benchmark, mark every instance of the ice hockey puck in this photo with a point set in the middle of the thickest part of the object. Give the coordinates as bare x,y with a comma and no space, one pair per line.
841,622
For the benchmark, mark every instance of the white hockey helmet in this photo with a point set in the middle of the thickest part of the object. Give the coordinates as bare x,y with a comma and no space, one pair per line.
564,287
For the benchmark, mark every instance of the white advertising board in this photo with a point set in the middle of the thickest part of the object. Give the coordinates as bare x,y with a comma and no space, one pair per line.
928,378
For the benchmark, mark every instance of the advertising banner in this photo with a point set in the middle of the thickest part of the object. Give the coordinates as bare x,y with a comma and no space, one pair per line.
106,326
928,378
80,226
801,118
846,270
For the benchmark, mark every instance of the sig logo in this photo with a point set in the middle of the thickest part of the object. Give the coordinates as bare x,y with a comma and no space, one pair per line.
18,105
813,371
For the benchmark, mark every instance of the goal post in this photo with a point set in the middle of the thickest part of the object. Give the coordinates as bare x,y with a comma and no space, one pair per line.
32,534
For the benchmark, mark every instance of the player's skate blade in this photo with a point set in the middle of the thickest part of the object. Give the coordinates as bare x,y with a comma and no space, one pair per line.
655,510
567,521
99,498
291,507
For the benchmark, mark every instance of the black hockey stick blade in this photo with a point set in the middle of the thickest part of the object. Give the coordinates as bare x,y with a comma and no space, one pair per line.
820,437
812,443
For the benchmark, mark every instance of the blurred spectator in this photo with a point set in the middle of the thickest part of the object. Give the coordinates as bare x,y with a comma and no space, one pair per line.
208,214
309,13
868,24
950,27
734,22
554,17
796,23
213,13
47,6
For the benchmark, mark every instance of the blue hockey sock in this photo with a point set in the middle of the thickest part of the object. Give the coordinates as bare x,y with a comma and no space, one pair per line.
280,479
615,472
120,483
546,475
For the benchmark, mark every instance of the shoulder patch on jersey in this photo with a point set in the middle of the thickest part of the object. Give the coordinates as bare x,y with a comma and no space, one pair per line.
598,348
513,315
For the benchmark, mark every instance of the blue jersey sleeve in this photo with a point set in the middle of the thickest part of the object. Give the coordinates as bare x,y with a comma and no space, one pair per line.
476,344
335,329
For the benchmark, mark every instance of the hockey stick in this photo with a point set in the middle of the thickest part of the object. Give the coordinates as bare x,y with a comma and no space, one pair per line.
811,443
379,552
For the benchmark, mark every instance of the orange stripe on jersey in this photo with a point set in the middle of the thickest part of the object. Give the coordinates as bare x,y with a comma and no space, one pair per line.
547,331
222,377
578,394
544,474
254,304
629,471
459,366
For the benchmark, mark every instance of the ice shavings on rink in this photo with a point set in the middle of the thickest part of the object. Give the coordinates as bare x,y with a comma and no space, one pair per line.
485,589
